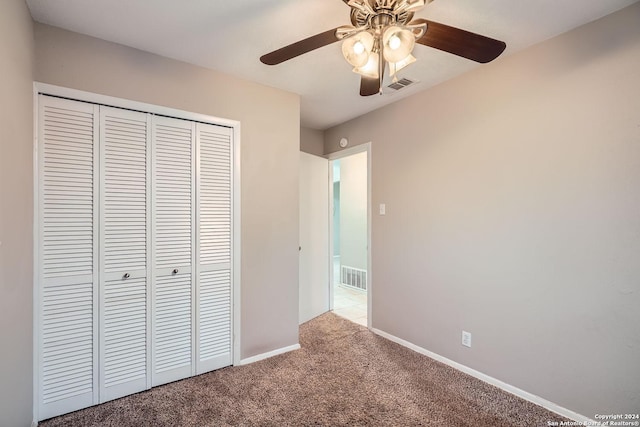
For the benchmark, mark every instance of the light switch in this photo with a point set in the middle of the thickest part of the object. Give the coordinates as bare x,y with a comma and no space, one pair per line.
383,209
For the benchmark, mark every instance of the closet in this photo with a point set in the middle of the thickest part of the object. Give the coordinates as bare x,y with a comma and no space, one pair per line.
134,251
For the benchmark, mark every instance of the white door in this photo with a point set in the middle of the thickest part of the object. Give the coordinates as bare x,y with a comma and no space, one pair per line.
214,273
67,264
173,290
124,235
314,237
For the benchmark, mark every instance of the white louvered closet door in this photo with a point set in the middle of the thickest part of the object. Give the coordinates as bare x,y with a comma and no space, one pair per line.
134,253
214,255
67,267
173,225
125,230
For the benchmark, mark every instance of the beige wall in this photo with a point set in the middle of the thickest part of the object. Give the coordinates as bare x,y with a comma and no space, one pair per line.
513,212
16,213
270,121
312,141
353,211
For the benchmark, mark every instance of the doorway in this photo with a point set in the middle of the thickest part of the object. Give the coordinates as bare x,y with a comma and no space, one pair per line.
349,186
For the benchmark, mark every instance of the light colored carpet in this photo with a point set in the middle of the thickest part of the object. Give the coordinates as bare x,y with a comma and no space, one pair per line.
343,376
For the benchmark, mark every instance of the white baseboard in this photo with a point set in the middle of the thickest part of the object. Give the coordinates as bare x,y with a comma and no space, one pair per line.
269,354
493,381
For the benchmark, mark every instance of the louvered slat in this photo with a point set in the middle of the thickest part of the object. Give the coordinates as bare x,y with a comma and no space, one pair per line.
215,314
125,327
67,134
215,194
172,325
173,192
67,188
67,336
124,155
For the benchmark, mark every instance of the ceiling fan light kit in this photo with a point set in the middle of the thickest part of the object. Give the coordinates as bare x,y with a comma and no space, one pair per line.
382,37
357,48
398,43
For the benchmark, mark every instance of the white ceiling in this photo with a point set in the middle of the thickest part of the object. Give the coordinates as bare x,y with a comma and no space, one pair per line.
231,35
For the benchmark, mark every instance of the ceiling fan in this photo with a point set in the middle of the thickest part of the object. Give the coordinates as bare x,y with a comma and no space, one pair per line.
382,36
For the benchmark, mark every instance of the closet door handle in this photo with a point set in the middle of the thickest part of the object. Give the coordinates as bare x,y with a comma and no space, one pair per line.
126,276
175,271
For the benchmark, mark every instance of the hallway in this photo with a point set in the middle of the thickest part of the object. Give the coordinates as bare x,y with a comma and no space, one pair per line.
350,304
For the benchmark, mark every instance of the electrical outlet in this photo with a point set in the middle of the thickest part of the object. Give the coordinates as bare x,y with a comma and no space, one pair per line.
466,339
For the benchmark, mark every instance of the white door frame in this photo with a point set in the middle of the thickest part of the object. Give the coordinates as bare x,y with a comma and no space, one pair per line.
361,148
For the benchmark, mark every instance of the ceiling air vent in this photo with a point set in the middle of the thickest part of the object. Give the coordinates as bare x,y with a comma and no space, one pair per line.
401,84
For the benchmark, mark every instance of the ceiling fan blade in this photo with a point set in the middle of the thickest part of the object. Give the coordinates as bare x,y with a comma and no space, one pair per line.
460,42
298,48
369,86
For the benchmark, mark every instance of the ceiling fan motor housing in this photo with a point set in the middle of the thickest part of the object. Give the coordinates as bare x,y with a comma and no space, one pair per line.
379,13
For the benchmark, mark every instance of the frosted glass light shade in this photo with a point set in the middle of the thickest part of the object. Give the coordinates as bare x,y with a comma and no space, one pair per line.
394,67
370,69
398,43
357,48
